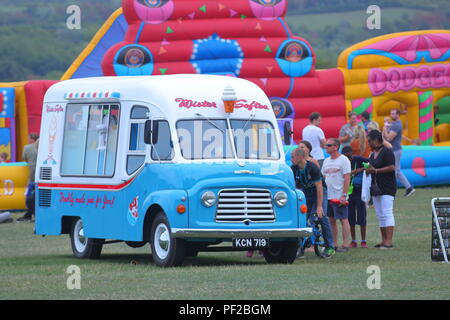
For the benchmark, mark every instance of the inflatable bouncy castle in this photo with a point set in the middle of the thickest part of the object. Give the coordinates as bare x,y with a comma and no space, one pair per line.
408,71
251,39
239,38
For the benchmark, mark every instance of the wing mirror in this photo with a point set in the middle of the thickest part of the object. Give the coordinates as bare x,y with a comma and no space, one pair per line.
151,134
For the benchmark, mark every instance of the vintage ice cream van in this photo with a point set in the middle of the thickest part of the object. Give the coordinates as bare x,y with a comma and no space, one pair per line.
187,163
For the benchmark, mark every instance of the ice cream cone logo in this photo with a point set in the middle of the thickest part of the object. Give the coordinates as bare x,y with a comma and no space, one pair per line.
51,141
229,99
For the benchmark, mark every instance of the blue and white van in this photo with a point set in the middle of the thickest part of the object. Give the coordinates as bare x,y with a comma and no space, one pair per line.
159,160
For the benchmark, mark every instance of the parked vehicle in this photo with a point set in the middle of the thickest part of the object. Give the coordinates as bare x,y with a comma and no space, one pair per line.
183,162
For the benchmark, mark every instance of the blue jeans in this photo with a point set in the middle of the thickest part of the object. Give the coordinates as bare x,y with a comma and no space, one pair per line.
324,222
30,200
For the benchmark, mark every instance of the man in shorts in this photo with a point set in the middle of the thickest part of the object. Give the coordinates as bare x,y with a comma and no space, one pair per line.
336,170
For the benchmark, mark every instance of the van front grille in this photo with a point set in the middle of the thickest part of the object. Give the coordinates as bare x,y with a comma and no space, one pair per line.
239,205
45,197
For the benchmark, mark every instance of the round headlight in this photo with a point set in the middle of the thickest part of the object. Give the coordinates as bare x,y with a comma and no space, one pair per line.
280,198
208,199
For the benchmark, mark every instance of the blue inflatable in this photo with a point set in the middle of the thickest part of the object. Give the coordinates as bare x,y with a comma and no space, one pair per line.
422,165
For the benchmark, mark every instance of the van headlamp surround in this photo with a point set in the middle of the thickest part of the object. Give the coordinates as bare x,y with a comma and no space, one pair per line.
208,199
280,198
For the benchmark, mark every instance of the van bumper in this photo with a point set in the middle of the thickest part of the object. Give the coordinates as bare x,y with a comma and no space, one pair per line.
240,233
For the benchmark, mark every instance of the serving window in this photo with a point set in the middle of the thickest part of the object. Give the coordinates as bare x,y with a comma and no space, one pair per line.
90,140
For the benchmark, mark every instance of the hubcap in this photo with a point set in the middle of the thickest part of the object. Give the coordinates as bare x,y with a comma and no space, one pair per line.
162,241
79,239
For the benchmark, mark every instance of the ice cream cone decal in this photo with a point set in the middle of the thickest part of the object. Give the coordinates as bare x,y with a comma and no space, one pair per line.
229,99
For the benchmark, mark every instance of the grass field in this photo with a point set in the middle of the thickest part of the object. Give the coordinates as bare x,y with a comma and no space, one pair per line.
33,267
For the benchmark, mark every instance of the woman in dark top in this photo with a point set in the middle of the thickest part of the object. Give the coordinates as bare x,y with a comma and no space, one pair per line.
384,186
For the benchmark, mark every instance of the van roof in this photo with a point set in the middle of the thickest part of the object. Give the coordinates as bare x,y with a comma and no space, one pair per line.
185,93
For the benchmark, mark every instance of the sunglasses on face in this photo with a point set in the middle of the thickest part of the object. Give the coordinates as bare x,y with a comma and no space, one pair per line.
329,145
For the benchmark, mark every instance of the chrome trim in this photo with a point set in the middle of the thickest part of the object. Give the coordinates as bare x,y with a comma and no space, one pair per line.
241,233
259,208
244,172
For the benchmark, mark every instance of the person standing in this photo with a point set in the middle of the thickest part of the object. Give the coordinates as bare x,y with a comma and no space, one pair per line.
384,186
365,118
30,156
357,212
393,133
306,146
336,170
348,130
3,157
315,136
359,144
309,179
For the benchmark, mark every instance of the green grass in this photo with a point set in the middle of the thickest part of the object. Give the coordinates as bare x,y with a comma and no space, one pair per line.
32,267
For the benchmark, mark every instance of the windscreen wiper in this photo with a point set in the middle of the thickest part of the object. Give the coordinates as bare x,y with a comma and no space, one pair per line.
198,114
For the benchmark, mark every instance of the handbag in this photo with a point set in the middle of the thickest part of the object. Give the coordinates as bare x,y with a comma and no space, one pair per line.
374,188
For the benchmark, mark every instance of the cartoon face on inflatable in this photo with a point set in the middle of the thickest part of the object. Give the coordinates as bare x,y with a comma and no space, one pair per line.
295,58
133,60
153,11
267,9
282,108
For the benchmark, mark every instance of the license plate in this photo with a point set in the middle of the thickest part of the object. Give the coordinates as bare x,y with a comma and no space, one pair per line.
250,243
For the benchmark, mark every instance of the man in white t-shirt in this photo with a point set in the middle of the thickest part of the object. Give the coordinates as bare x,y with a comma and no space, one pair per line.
336,169
314,135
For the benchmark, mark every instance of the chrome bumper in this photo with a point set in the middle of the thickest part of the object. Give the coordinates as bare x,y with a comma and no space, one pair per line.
241,233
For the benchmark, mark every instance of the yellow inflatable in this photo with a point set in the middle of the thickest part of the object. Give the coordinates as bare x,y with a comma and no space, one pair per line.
408,71
13,184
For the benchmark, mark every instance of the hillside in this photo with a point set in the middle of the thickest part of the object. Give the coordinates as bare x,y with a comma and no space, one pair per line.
36,43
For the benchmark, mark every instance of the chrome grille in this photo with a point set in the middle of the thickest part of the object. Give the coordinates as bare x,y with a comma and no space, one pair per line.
239,205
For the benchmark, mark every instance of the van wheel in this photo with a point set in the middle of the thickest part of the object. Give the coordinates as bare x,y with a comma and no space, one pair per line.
283,252
83,247
166,250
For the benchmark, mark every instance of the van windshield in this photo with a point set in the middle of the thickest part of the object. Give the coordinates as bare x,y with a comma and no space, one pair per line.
255,140
209,139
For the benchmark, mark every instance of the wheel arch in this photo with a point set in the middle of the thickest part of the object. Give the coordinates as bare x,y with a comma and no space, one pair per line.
150,216
66,223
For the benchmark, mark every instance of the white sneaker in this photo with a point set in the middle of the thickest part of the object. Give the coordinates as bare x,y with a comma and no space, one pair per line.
409,191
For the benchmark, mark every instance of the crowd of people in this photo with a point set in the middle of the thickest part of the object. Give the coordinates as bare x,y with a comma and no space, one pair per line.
333,185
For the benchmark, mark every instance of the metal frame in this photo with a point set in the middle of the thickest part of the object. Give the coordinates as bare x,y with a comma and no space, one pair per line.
438,228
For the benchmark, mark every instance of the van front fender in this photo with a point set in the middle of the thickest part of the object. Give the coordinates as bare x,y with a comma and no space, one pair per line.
301,200
169,200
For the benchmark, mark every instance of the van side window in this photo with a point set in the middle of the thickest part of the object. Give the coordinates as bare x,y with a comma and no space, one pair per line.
162,150
90,140
136,147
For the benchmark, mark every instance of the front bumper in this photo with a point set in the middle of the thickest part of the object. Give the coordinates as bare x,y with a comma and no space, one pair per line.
240,233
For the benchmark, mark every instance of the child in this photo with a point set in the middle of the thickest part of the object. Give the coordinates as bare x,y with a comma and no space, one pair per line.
3,157
357,212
